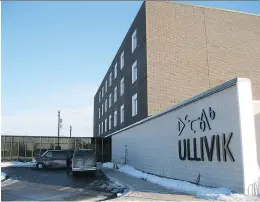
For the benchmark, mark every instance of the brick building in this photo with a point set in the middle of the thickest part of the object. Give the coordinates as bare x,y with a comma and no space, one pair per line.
171,52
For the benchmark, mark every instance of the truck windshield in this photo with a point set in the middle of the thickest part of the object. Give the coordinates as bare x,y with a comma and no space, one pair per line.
44,154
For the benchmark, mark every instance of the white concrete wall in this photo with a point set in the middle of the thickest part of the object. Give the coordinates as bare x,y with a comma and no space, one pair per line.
152,146
256,104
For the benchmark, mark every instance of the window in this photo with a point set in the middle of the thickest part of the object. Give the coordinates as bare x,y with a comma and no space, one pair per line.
115,118
105,125
110,122
102,127
115,71
122,114
98,129
99,113
110,79
106,86
122,86
134,72
115,94
134,41
99,97
134,105
102,91
59,154
110,100
49,154
102,109
122,60
105,105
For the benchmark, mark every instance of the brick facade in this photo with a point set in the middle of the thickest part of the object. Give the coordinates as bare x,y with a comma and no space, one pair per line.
191,49
182,51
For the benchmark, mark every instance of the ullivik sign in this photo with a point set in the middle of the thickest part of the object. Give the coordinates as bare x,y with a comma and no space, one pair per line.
203,148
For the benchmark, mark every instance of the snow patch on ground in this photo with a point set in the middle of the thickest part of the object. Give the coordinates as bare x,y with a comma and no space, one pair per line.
3,176
183,186
17,164
108,165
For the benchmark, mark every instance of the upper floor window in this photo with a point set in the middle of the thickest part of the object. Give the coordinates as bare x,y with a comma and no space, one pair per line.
99,113
106,86
115,70
134,104
102,91
110,79
115,94
122,114
102,109
122,60
105,105
122,86
109,122
115,118
110,100
99,96
105,125
102,127
134,41
98,129
134,72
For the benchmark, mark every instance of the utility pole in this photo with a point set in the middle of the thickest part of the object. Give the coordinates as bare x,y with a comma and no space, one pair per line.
70,130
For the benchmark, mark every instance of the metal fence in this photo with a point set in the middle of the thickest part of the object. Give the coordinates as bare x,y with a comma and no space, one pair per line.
254,189
24,148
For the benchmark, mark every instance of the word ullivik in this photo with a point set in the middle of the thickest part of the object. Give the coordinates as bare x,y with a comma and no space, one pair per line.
218,143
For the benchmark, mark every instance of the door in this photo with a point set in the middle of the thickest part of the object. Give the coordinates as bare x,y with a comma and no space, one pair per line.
48,159
59,159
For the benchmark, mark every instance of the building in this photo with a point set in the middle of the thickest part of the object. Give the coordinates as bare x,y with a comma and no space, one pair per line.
24,148
211,139
171,52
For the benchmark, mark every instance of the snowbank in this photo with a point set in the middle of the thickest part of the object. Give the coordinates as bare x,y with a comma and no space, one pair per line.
108,165
3,176
181,186
17,164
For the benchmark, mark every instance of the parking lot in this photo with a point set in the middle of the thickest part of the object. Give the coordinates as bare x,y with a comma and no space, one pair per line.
27,184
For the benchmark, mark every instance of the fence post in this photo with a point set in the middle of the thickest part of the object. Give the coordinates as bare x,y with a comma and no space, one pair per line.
40,145
18,156
96,146
32,146
11,149
102,151
25,148
4,149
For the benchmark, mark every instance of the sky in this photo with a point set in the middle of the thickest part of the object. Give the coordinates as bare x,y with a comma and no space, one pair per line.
54,57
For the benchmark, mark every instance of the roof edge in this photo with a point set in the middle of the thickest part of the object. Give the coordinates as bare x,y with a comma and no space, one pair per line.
195,98
214,8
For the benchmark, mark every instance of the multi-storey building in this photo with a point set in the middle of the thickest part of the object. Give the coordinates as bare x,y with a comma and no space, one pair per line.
171,52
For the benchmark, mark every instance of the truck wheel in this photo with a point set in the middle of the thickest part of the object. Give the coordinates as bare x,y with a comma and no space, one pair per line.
40,166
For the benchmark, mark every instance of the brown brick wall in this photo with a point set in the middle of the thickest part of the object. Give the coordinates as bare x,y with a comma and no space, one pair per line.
191,49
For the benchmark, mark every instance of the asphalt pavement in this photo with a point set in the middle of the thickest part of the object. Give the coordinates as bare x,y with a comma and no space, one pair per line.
27,184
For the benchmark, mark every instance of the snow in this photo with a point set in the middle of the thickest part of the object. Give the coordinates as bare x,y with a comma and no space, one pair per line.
108,165
17,164
3,176
181,186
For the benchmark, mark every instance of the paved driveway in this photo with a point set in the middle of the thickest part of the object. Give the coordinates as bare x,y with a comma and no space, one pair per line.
27,184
